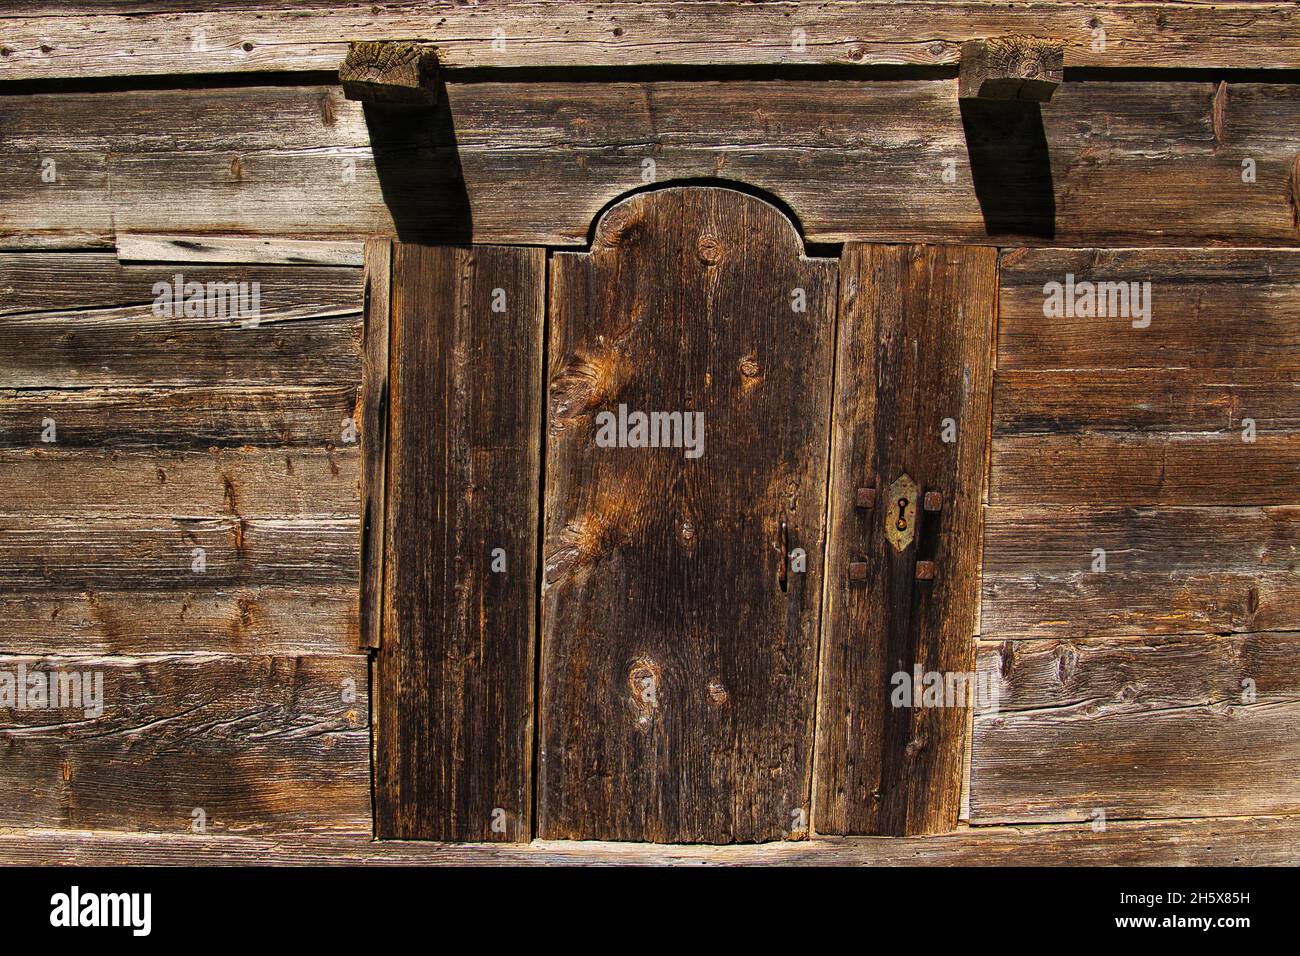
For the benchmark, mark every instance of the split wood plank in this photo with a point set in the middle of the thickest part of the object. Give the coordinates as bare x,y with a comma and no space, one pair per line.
678,676
1173,727
374,435
256,250
915,356
1167,571
317,171
454,673
722,32
257,744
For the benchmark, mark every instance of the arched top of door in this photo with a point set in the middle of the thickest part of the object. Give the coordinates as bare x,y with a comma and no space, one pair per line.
618,217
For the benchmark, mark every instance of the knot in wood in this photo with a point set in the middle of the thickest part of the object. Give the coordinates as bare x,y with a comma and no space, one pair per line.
710,249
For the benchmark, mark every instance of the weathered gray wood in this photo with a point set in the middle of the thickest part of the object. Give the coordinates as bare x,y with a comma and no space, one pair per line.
665,32
1149,437
281,621
853,160
454,674
374,436
256,743
915,351
1210,309
678,671
1011,68
1253,841
391,73
1167,571
139,247
1179,727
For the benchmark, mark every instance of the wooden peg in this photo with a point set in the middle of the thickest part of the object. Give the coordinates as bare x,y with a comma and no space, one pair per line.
1011,68
394,73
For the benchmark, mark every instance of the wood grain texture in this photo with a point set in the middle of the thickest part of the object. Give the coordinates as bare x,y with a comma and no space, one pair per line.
1011,68
623,33
1210,309
259,744
260,250
374,435
281,621
1149,437
1254,841
454,674
853,160
1174,727
1168,571
677,675
915,350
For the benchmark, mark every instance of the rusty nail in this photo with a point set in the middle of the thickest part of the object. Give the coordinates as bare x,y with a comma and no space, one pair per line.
933,500
925,570
865,498
858,571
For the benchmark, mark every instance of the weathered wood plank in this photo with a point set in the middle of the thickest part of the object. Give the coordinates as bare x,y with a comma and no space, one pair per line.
1150,437
1167,571
143,483
1252,841
255,743
173,418
374,436
301,163
58,554
137,248
278,621
1177,727
454,677
679,659
1210,309
626,33
915,354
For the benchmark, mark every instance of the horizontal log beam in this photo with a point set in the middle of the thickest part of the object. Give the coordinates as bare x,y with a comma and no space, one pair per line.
658,32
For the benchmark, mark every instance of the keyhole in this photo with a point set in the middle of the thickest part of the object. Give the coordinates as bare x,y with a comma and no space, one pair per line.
902,514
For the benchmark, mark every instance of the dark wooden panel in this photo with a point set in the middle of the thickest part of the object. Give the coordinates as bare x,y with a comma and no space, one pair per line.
1168,571
678,677
1210,309
1249,841
648,33
1141,728
915,349
1146,437
854,160
454,726
256,743
279,621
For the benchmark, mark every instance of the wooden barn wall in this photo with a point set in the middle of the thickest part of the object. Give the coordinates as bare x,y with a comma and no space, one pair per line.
1164,686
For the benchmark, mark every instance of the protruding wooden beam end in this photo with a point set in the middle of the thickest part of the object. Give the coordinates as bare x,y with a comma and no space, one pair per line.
1011,68
391,72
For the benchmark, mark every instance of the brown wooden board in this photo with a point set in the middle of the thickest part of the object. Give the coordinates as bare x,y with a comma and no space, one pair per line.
1166,571
1152,727
678,675
256,743
374,435
454,673
886,161
1225,841
645,33
915,351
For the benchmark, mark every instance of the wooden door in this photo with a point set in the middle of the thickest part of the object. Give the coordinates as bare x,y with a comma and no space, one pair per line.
679,646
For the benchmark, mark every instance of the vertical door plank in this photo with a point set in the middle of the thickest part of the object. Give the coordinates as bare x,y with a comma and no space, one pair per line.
454,675
915,348
678,678
374,434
